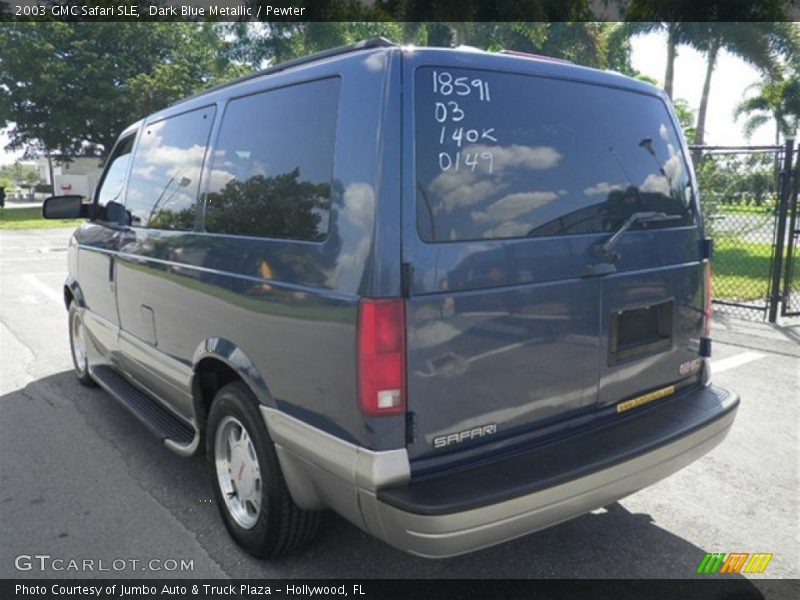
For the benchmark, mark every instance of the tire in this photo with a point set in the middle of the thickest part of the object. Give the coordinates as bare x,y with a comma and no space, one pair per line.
77,346
260,514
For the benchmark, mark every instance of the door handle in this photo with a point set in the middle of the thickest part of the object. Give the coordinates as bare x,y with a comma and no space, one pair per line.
111,267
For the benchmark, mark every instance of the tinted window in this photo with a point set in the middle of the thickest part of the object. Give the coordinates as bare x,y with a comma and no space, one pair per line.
273,164
114,179
502,155
166,171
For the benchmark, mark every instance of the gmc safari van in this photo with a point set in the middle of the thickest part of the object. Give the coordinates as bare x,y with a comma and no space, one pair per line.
454,296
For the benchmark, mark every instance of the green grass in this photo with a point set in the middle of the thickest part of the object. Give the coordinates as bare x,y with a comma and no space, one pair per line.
747,209
741,269
31,218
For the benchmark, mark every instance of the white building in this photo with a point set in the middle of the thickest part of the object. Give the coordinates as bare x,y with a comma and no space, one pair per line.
79,176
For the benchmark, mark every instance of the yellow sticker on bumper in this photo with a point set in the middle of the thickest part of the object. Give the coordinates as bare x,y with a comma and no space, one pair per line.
639,400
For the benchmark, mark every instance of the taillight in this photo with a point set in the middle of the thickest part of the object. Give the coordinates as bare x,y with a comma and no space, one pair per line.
382,356
708,310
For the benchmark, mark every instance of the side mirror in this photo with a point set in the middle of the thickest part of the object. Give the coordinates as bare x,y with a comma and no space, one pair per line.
65,207
116,213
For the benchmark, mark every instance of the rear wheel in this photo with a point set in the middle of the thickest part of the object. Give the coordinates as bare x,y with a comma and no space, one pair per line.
77,346
249,488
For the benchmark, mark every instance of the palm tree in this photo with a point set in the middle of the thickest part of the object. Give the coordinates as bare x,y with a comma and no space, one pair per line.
675,37
672,16
776,99
762,45
755,32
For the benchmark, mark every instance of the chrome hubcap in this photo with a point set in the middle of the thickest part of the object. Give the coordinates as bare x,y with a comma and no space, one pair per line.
238,472
78,343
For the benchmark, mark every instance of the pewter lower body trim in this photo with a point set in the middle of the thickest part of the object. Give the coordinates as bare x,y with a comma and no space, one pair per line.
323,471
449,535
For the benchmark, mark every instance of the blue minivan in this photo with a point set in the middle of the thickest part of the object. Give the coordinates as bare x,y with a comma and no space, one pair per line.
454,296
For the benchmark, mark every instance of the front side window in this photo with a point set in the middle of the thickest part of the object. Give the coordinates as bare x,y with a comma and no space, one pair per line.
502,155
273,164
165,174
113,184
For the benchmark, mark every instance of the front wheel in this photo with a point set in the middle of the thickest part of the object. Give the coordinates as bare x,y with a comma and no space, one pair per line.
249,488
77,346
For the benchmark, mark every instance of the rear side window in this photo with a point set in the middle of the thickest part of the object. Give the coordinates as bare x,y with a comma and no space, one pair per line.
273,164
502,155
165,174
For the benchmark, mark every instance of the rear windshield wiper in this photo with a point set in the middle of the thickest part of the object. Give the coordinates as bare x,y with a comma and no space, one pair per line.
637,217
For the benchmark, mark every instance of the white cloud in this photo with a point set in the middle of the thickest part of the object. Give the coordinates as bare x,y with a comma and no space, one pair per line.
359,204
672,172
512,206
536,158
156,161
674,165
348,263
145,172
602,188
463,188
466,187
173,161
359,209
508,229
656,183
219,178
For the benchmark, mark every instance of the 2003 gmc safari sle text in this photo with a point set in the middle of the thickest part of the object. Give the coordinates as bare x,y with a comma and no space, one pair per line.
454,296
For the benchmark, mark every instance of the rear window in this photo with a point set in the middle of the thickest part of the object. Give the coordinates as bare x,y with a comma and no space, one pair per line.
502,155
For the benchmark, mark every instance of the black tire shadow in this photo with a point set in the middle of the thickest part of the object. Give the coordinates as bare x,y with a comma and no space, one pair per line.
613,544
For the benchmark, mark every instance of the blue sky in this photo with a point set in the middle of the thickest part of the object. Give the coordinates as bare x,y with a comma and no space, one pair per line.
731,80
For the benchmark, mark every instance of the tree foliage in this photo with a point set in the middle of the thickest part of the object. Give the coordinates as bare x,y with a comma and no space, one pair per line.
17,172
776,99
260,205
278,42
686,117
602,45
763,45
71,88
736,180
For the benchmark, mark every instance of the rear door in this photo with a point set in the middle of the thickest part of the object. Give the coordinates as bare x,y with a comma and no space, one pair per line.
517,177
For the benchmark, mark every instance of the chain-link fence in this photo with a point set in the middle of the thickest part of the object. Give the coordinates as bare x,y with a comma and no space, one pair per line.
791,279
741,188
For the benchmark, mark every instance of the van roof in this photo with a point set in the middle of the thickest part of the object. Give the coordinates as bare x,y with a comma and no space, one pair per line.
550,66
377,42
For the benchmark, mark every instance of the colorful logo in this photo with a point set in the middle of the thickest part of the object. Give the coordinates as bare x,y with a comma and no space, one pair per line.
734,562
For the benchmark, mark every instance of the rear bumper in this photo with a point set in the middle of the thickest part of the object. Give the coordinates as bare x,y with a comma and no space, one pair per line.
469,510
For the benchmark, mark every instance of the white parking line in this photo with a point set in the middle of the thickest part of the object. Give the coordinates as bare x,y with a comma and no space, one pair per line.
737,360
38,285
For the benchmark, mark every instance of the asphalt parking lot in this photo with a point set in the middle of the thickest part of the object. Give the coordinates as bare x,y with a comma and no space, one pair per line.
82,479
